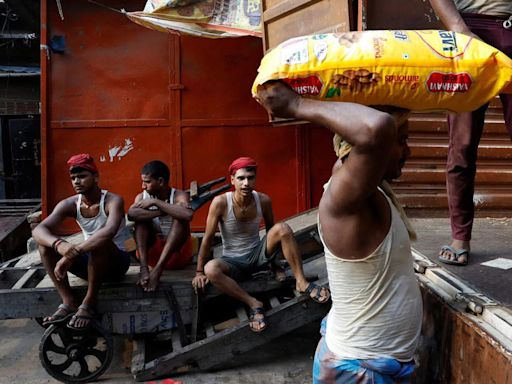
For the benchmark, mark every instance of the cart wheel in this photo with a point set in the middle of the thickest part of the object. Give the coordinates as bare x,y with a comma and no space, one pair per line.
75,356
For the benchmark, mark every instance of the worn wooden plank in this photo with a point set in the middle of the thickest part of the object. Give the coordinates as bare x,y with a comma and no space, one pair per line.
176,340
29,274
274,302
209,330
138,355
224,346
241,314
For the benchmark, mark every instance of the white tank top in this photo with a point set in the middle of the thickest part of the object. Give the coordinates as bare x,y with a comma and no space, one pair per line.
377,305
161,224
90,225
239,238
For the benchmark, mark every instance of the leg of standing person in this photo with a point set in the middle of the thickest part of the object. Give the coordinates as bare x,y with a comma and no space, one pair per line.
465,131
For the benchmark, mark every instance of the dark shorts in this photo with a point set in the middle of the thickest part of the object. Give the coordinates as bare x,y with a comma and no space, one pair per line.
241,268
117,270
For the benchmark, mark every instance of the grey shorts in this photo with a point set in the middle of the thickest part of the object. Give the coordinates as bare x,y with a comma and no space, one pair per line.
241,268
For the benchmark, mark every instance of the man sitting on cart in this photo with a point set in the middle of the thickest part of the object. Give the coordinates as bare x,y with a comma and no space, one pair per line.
103,255
239,214
162,218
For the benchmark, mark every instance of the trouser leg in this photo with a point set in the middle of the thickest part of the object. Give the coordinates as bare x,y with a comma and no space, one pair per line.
465,130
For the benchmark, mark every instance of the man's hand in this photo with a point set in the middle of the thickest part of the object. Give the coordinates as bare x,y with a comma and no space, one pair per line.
68,250
199,281
147,203
143,277
62,268
278,99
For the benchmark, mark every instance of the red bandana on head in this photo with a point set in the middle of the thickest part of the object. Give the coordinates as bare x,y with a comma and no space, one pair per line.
83,160
242,162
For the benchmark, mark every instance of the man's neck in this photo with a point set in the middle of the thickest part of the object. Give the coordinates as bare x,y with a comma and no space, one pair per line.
93,196
244,200
164,193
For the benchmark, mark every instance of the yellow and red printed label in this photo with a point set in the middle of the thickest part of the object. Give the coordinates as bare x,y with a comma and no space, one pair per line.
418,70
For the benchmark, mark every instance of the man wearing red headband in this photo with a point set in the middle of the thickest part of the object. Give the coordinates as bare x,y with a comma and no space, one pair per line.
103,255
238,214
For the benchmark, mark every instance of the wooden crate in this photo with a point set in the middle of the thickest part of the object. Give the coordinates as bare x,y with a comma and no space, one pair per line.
283,20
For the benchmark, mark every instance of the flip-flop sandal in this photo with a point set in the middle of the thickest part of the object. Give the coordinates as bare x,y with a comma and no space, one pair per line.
317,297
62,313
457,252
252,319
90,317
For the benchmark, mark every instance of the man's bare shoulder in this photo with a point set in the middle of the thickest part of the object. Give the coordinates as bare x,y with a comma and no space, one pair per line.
181,195
264,198
112,199
219,204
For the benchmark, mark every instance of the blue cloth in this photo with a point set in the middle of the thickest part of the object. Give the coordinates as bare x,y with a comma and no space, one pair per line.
329,369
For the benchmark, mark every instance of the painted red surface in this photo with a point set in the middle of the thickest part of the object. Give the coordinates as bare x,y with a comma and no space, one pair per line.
183,100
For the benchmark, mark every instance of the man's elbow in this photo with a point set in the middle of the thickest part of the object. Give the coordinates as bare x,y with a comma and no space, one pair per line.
189,215
132,214
381,131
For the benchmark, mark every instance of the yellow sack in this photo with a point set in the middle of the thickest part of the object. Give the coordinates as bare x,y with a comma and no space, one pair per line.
417,70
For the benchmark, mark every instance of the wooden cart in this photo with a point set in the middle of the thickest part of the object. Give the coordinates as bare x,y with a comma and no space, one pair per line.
208,329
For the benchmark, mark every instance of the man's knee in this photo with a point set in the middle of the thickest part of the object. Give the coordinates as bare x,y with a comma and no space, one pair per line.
282,231
46,252
213,270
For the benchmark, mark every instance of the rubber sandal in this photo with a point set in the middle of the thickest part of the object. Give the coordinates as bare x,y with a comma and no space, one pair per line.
62,313
457,252
252,319
318,295
90,317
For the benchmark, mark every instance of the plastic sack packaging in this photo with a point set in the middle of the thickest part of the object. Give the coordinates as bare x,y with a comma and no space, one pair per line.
417,70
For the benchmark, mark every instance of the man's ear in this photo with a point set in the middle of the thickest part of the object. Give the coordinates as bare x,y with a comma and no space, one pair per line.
232,179
161,181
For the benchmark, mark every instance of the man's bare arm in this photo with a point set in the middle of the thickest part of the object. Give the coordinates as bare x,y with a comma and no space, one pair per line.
136,213
450,16
215,214
180,210
44,232
268,214
371,133
114,207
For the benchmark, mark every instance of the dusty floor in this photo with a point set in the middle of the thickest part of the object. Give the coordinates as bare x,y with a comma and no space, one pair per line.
286,360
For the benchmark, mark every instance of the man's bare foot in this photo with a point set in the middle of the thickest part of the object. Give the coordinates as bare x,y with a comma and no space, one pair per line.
154,279
143,277
457,253
83,317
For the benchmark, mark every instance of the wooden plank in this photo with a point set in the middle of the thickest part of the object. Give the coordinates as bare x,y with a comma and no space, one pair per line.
274,302
291,18
138,355
25,279
209,330
176,340
241,314
224,346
